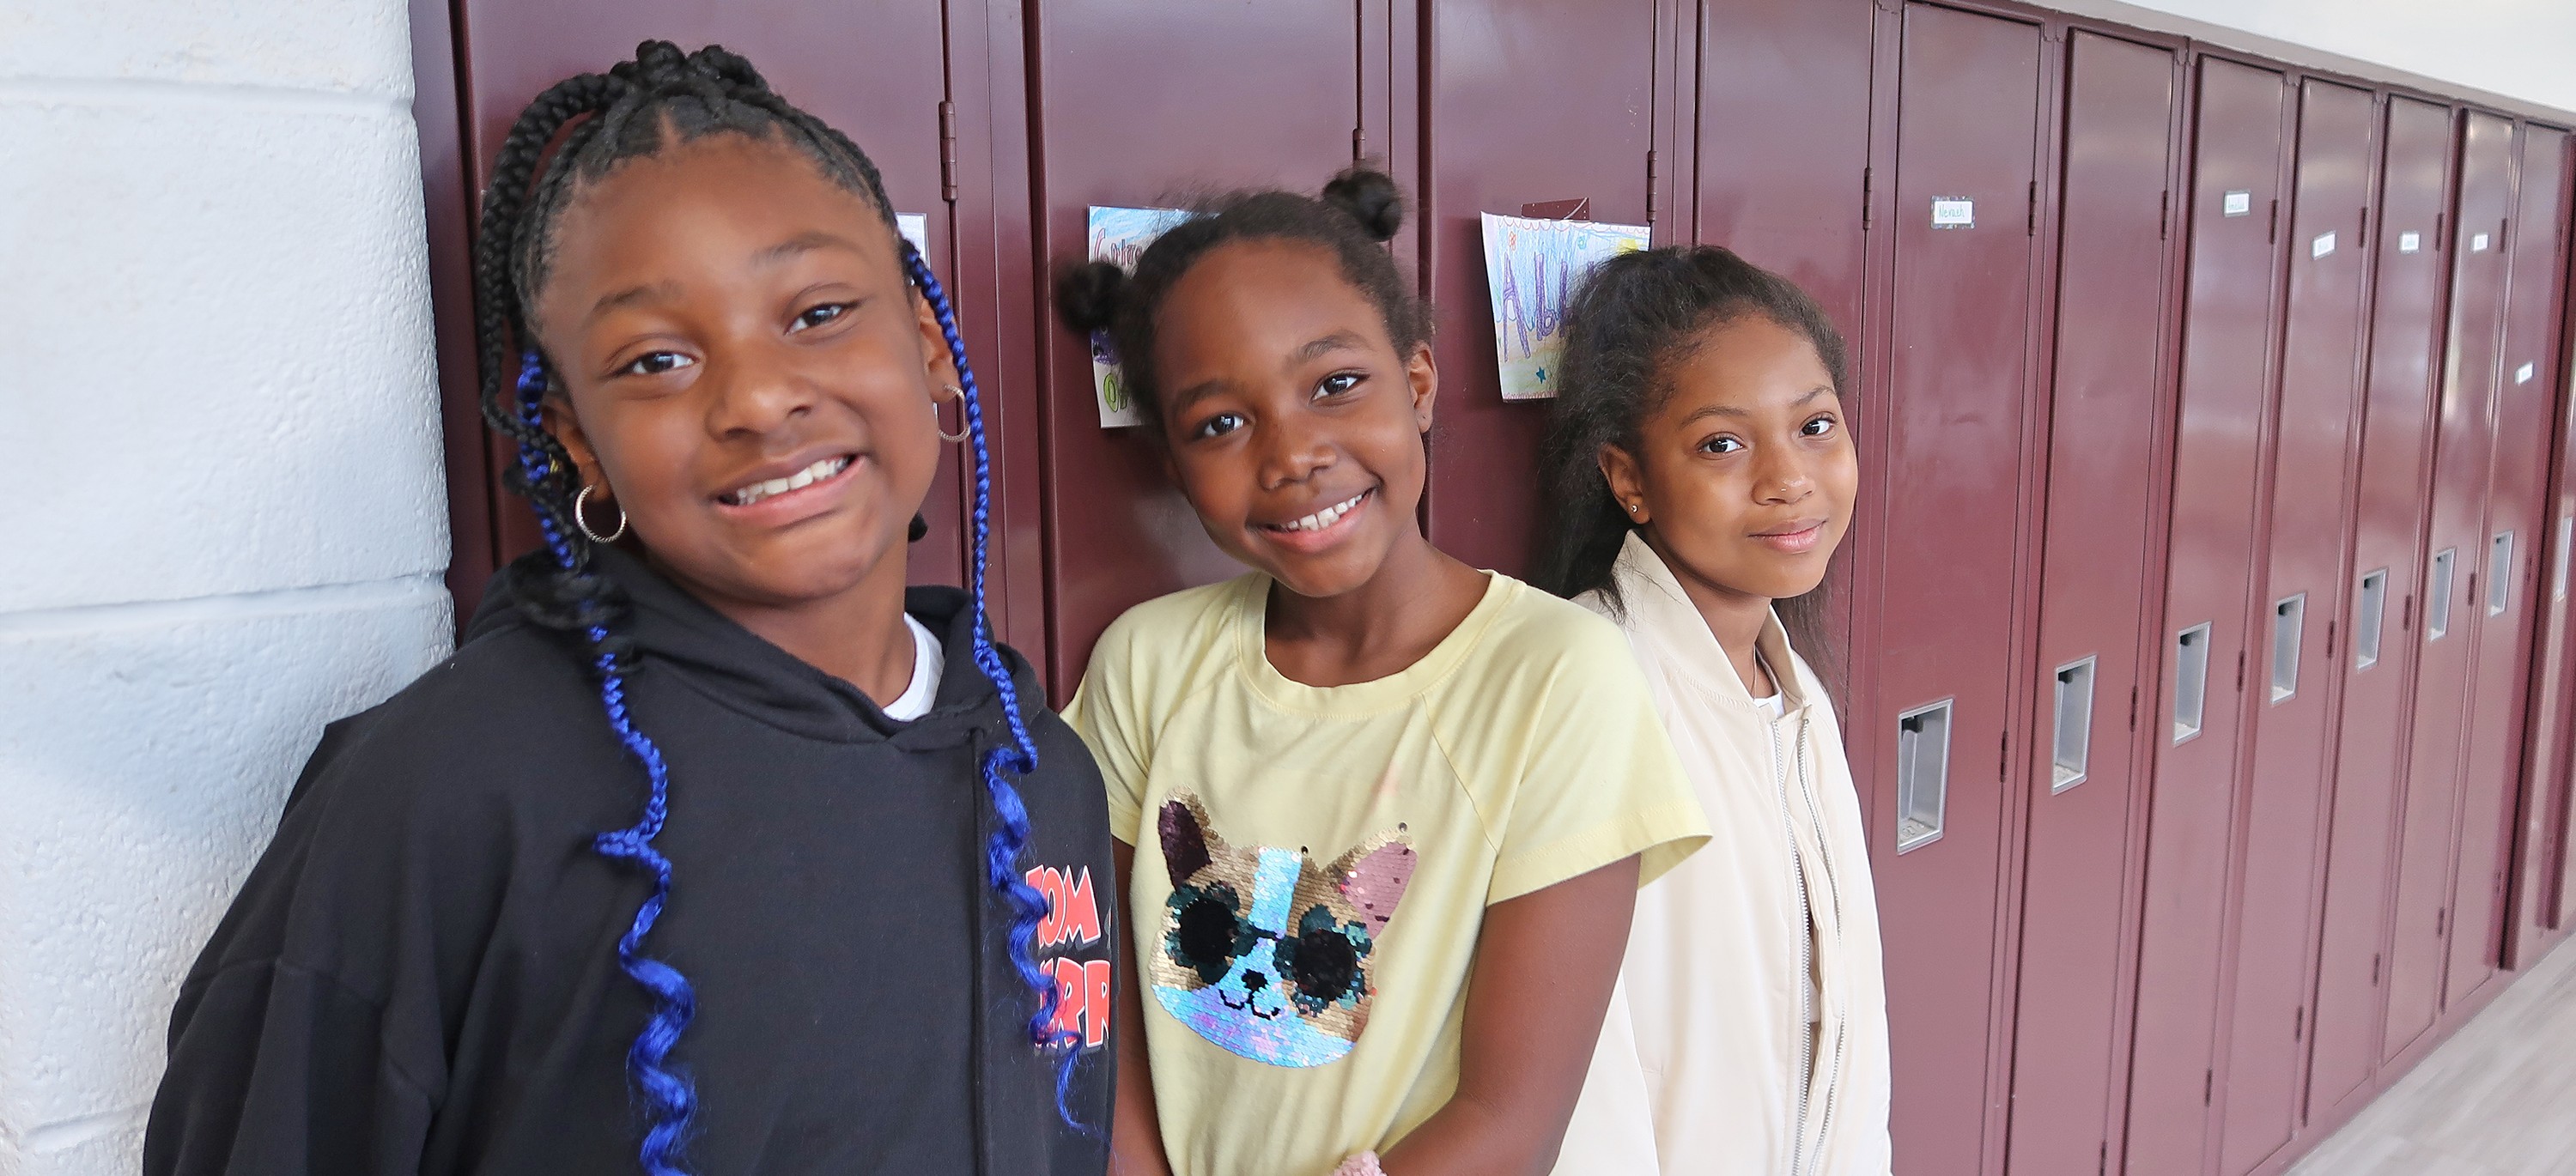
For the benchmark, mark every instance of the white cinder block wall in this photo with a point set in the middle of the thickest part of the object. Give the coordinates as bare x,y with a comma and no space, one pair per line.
222,515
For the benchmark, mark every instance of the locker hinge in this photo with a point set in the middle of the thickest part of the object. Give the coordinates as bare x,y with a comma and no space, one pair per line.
2102,1166
2033,228
2208,1085
2272,231
2363,238
2164,214
2003,756
2133,708
1654,178
2330,630
948,151
2240,666
1865,201
2406,614
2374,971
1359,144
2438,218
2298,1024
2439,915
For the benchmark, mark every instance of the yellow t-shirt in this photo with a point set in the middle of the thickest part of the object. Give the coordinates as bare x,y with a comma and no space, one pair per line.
1313,863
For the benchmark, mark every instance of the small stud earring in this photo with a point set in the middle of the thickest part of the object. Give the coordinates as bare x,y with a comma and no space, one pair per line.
1632,508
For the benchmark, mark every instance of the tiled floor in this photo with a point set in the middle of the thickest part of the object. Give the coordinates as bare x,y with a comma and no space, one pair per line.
2498,1099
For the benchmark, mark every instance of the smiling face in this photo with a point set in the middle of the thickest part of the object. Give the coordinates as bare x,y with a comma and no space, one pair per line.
1293,424
744,370
1746,474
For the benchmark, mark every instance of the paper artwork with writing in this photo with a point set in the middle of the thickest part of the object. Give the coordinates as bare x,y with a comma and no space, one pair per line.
1531,266
1119,236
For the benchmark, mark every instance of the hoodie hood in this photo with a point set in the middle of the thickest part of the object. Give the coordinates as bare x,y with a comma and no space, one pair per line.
676,633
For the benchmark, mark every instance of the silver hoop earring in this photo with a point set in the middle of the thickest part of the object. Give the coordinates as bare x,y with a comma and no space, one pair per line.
582,520
959,395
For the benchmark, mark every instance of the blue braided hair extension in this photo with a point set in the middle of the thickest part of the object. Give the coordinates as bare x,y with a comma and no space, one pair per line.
669,1098
1002,853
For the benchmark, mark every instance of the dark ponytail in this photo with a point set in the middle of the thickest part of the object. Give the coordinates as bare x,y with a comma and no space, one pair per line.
1354,217
662,98
1626,327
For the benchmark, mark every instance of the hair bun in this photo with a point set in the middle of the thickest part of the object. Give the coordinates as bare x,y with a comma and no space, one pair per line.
1371,198
729,67
1087,295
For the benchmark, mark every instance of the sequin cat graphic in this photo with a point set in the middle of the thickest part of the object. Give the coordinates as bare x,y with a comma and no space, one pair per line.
1267,952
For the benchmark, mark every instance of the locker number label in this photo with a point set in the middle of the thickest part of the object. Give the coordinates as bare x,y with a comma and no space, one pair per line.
2478,243
2523,374
2410,242
1953,212
2237,204
2323,245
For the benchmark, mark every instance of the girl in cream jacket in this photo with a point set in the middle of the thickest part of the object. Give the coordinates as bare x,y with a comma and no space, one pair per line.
1703,478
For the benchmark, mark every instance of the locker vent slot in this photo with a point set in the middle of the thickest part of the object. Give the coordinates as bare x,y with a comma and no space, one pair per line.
1922,773
2369,611
2437,597
2499,573
2191,679
2558,579
2289,617
2074,727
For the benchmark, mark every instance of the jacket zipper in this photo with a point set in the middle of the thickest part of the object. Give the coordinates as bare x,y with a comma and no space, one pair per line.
1842,1025
1804,1031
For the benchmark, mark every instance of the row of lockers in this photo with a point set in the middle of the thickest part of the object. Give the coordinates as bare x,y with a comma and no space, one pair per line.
2214,463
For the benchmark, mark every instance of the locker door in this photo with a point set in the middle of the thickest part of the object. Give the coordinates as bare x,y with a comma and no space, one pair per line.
2381,580
1498,69
878,76
1966,147
2452,606
2106,403
2294,673
1782,161
2534,338
2226,374
1257,95
2517,486
1784,141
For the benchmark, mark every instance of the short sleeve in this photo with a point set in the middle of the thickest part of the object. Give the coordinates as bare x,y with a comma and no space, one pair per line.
1599,780
1108,711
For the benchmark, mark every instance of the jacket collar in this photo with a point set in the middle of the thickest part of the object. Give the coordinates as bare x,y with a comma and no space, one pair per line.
741,670
1661,611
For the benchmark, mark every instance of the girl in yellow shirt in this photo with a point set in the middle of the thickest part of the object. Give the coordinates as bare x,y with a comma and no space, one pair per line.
1382,815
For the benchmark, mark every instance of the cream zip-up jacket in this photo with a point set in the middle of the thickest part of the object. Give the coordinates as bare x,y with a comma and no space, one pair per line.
1707,1064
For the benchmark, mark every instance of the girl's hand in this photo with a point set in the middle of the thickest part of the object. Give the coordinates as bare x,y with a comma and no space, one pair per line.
1544,970
1136,1134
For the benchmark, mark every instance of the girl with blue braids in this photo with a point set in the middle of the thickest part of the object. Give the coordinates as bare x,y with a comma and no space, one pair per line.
714,848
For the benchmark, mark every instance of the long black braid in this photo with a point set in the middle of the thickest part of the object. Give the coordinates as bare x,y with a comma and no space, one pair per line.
660,99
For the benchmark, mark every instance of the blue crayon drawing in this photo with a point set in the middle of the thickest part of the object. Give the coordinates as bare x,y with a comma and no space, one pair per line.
1531,267
1120,235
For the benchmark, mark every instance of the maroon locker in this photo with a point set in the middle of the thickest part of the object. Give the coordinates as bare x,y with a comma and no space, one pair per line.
880,77
1782,161
1784,141
1276,96
2107,401
1497,70
1953,416
2535,338
2378,650
2451,607
2517,488
2226,375
2293,671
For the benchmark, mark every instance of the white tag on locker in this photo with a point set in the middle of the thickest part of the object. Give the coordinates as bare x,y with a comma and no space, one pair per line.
2410,242
2478,243
2324,244
2237,203
2523,374
1952,212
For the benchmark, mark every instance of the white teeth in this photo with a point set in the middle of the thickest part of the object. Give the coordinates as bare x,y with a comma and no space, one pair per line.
817,472
1327,516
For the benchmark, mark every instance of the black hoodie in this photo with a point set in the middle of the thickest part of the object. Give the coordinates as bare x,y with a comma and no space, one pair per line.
421,976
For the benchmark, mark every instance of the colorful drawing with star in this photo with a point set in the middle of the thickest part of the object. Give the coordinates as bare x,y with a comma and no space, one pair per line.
1531,266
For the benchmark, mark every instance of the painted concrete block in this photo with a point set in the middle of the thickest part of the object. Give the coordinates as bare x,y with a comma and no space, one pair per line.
349,46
